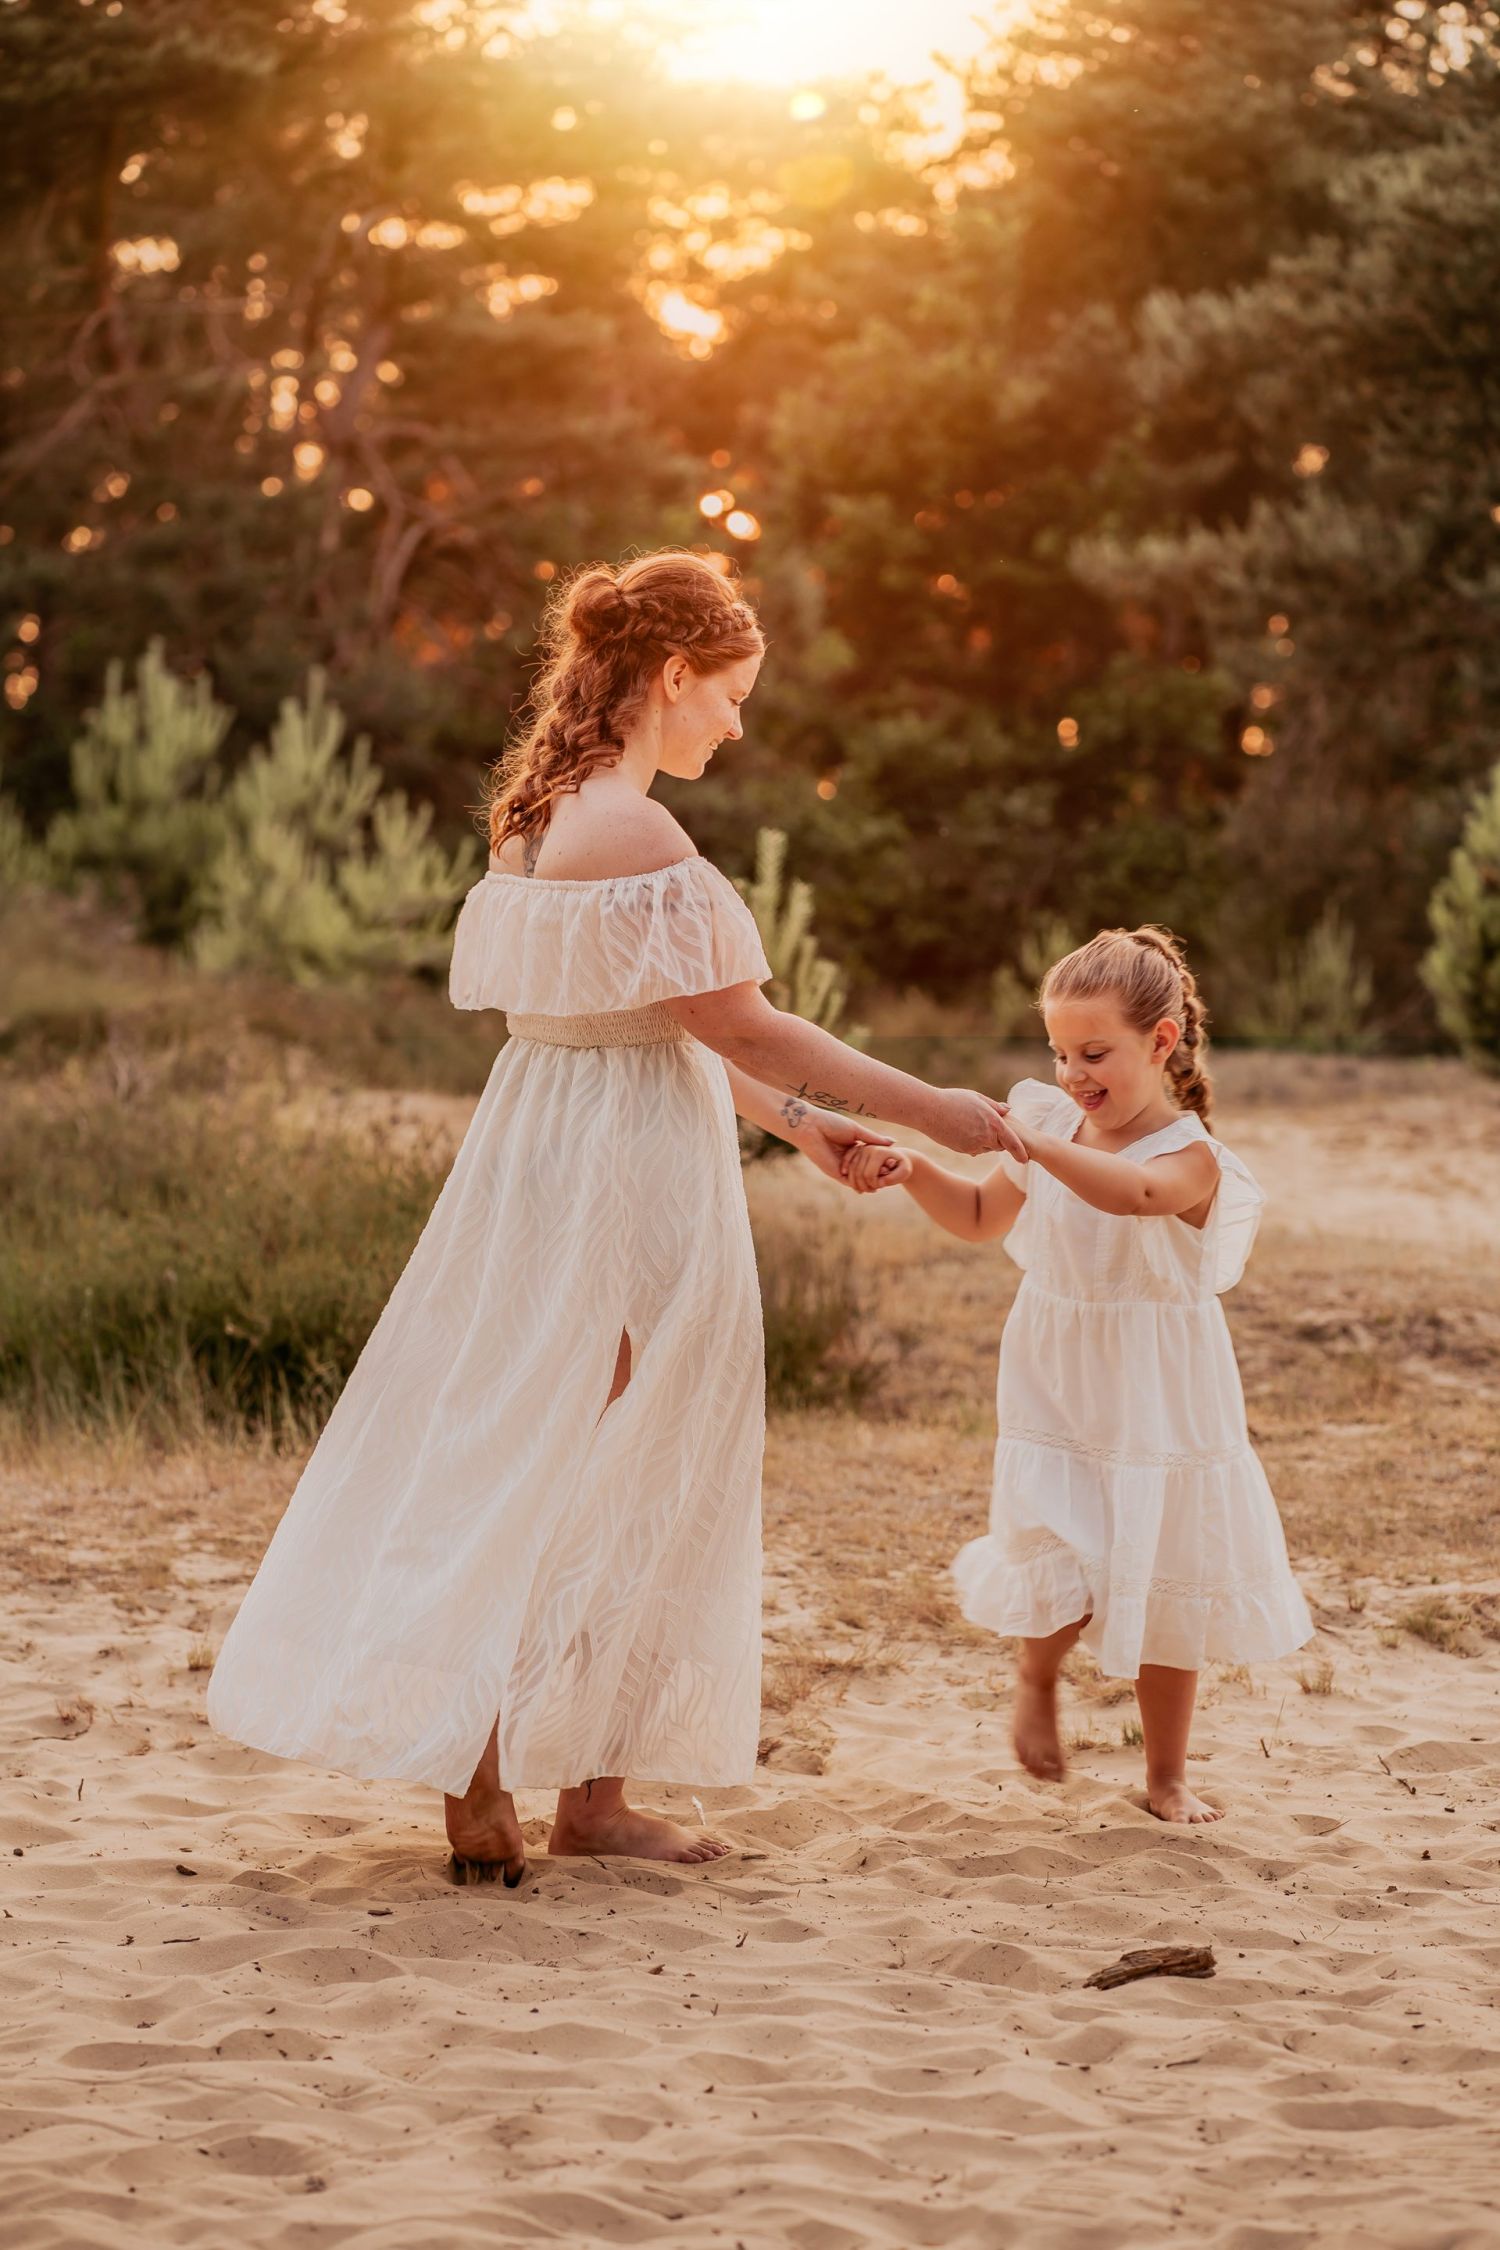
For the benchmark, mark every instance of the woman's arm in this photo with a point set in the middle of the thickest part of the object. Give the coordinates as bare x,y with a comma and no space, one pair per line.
808,1067
824,1139
1162,1189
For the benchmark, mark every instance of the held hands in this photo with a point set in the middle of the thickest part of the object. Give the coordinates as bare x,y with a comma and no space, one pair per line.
827,1140
976,1126
868,1169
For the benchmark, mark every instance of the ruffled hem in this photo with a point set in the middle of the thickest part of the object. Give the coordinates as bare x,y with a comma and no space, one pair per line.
551,948
1174,1622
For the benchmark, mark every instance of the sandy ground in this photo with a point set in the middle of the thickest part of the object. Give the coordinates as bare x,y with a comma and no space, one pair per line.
242,2004
239,2003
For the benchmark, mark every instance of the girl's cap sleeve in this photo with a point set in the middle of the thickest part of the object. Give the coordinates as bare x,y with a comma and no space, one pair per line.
1234,1220
536,947
1220,1249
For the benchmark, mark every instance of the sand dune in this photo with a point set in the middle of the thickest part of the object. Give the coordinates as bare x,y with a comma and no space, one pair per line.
241,2003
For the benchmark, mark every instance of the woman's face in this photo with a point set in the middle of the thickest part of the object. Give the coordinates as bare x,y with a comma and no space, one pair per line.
699,710
1111,1070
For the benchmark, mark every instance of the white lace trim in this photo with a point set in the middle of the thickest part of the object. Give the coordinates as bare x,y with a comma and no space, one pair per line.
1096,1573
1119,1457
1129,1293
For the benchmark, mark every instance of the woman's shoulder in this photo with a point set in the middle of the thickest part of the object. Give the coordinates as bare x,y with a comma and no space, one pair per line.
608,840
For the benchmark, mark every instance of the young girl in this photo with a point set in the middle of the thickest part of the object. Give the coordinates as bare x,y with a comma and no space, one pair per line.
1129,1508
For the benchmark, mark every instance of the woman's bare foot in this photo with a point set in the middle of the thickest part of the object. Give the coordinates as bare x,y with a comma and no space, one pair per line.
596,1818
1034,1731
482,1825
1174,1801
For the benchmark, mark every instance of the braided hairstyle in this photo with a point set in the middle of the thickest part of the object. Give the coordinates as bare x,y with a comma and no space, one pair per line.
1144,970
604,636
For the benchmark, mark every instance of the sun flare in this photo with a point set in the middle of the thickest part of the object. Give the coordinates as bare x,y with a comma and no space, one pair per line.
794,43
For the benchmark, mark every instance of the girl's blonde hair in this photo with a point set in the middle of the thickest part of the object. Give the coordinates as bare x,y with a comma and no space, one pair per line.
604,633
1146,972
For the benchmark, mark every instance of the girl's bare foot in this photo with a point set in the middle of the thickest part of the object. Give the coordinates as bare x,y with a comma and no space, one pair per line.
1034,1731
1034,1714
1174,1801
596,1818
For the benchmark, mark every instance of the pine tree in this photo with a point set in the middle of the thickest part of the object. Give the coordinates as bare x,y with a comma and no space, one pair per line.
1013,991
1462,969
1318,995
323,875
145,784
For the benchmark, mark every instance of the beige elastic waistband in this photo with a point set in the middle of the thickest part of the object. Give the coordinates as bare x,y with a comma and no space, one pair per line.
654,1026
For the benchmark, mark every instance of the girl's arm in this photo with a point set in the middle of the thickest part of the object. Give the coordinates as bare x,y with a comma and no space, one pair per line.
1162,1188
974,1210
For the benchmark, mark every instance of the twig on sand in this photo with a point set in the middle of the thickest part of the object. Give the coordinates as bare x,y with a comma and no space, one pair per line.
1409,1786
1155,1961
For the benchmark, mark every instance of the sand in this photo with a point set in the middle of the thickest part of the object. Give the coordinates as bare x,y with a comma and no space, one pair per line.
240,2003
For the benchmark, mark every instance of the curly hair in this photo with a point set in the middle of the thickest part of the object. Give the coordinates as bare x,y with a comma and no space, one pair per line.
1147,972
604,634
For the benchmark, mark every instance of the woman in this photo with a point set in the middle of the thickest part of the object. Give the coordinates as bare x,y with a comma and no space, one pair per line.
539,1494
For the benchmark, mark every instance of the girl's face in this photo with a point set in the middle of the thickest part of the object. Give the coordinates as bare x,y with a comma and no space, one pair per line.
699,710
1111,1070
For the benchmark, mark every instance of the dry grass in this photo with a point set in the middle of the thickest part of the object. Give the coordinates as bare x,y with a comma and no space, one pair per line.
1458,1627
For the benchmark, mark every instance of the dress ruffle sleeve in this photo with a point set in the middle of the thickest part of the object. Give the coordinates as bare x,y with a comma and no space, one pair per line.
553,948
1040,1108
1233,1223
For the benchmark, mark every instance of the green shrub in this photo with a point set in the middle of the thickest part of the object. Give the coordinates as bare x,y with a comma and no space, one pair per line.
324,875
1317,996
1462,970
187,1265
1013,994
145,788
302,865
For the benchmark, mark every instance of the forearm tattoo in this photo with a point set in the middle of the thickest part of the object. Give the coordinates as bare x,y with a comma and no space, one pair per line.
795,1113
805,1093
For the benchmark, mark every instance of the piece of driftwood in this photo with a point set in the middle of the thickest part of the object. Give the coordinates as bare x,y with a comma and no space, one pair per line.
1155,1961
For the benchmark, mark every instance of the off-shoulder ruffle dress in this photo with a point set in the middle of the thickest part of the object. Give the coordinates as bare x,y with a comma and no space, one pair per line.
475,1534
1125,1482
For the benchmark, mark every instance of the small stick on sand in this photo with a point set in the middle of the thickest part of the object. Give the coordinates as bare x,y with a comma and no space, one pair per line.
1155,1961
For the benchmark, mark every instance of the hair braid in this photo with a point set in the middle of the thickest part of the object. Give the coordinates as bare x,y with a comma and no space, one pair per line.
603,636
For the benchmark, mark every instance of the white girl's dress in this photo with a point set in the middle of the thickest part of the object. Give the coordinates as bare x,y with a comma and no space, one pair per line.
475,1534
1125,1481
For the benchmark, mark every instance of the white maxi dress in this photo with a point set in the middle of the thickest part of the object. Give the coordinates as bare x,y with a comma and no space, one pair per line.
475,1534
1125,1482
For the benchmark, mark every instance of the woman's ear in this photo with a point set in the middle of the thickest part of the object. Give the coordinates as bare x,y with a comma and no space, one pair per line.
675,674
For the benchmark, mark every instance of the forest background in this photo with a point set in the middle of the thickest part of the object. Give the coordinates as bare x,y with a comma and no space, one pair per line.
1118,478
